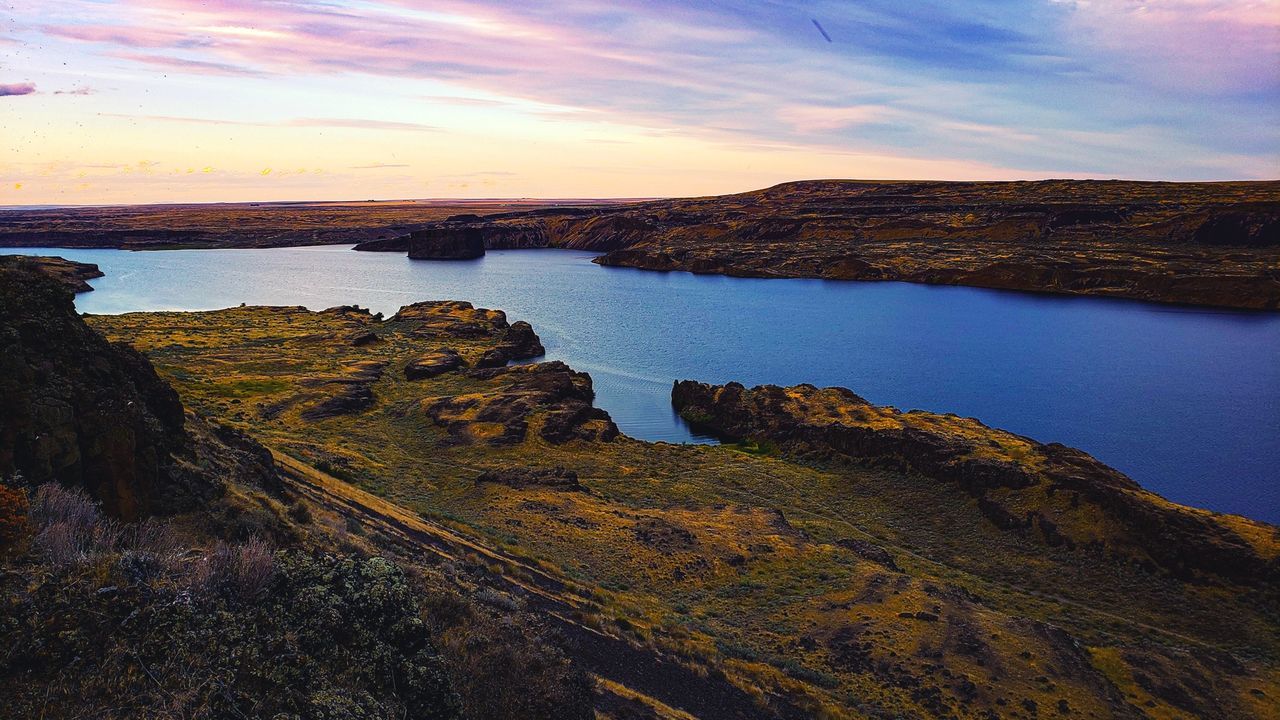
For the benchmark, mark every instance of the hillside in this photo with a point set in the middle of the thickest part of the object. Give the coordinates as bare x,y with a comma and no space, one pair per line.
1197,243
793,573
157,563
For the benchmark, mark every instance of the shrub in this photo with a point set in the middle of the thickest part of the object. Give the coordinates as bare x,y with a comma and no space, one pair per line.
507,668
332,638
69,527
13,516
235,571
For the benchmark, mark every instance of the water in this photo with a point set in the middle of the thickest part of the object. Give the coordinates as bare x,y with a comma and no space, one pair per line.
1185,401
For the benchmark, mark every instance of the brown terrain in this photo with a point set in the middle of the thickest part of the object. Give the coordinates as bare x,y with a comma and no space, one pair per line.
1212,244
237,225
834,560
1197,243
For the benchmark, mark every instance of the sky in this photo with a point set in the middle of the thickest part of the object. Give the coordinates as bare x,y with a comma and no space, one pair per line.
141,101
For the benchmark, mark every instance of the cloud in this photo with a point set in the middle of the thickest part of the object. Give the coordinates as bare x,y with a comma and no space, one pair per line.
820,118
378,166
360,124
305,122
1205,46
1010,83
195,67
12,89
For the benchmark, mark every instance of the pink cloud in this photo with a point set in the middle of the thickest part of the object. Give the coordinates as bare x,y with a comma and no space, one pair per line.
820,118
12,89
133,37
747,75
197,67
1202,45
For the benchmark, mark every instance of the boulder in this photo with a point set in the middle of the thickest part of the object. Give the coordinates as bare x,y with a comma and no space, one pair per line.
1051,492
556,478
446,242
433,364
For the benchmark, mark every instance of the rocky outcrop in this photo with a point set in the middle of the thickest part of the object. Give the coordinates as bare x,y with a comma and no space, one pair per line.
1199,243
432,364
354,390
557,396
73,275
77,409
519,342
85,412
1058,494
400,243
556,478
455,319
448,241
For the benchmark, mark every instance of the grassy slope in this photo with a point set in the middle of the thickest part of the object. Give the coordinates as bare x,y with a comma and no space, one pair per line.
729,558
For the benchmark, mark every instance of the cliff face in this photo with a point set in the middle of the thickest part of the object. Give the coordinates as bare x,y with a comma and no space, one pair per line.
86,412
73,275
1061,495
1199,243
447,242
78,409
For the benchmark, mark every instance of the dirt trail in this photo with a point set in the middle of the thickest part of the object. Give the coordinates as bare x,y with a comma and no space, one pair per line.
666,687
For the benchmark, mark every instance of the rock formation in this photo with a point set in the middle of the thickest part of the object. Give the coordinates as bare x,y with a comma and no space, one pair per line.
556,478
1060,494
448,241
85,412
1199,243
70,273
433,364
501,416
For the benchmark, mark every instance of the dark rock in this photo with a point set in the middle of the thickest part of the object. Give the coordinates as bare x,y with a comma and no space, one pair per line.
70,273
561,396
362,337
663,535
556,478
520,342
77,409
919,615
834,422
399,243
869,551
447,241
353,399
354,390
1253,227
432,364
85,412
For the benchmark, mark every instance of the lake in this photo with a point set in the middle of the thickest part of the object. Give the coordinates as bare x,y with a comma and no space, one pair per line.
1186,401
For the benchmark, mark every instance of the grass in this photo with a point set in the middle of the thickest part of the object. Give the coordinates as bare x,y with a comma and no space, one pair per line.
712,553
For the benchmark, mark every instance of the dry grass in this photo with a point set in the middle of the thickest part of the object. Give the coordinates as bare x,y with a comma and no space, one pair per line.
730,559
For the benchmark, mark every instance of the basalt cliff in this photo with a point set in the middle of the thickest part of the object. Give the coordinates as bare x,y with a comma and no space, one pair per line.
155,562
1197,243
274,511
831,559
1056,494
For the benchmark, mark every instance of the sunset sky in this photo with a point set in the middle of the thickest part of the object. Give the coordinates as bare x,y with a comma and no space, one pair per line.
178,101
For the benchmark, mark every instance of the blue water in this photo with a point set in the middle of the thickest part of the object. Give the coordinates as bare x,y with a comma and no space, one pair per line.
1185,401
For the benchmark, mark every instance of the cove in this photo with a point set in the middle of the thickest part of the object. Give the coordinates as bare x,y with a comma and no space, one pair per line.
1184,400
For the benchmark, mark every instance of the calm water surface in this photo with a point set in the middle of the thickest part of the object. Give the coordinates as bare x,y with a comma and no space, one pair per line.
1185,401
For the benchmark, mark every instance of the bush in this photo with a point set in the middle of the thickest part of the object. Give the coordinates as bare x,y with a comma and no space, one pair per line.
13,516
507,668
235,571
69,527
331,638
